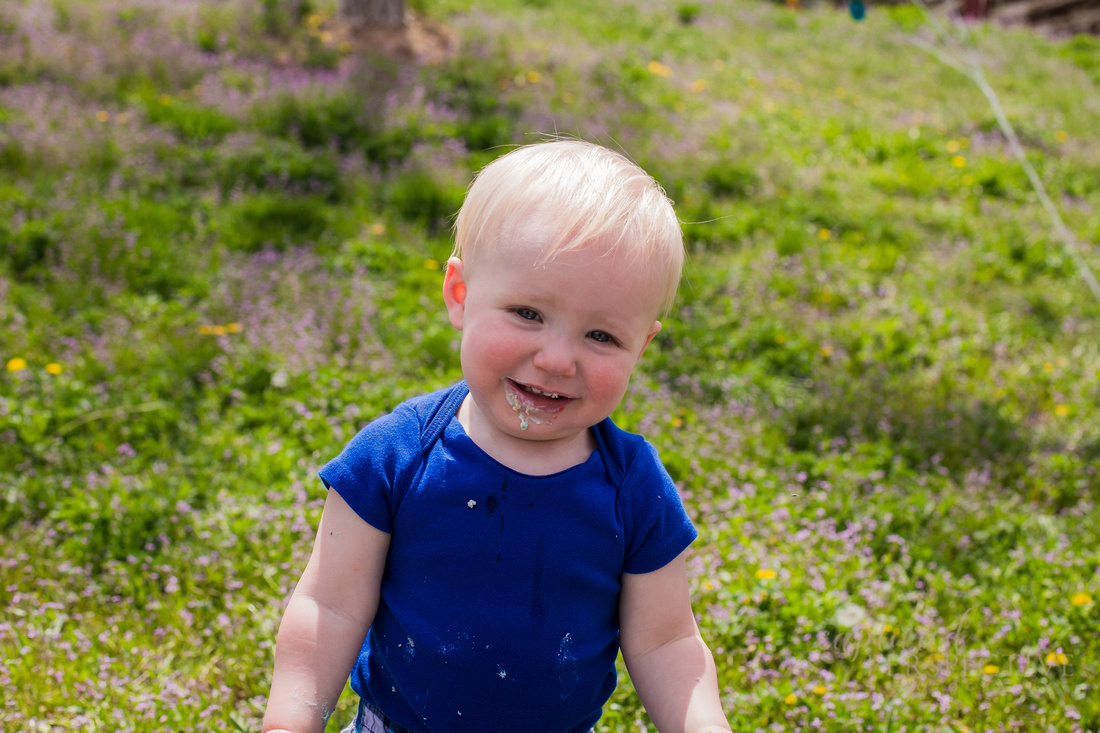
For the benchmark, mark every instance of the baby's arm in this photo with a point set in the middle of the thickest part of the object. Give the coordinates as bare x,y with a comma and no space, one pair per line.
327,619
669,663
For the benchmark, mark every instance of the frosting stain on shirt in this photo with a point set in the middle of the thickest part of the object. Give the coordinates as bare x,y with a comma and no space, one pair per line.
567,667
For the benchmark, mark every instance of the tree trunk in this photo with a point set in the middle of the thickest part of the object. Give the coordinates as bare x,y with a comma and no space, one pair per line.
374,13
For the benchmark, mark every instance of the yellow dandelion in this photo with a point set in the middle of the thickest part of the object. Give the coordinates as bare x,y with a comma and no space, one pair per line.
1056,659
430,264
1048,367
820,690
103,115
206,330
958,161
122,118
234,327
765,574
53,368
677,422
1061,410
796,114
953,146
780,338
533,77
991,669
17,364
699,85
656,67
164,99
1061,136
840,92
824,234
769,106
826,351
708,585
378,229
790,699
218,330
345,47
968,180
326,37
680,106
1080,599
314,20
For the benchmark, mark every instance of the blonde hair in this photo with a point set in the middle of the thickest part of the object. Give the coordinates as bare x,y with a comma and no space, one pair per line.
586,194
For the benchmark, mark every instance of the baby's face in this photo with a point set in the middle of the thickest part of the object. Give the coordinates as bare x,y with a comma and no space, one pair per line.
547,350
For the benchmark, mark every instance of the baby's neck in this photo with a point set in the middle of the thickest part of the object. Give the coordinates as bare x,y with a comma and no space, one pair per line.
528,456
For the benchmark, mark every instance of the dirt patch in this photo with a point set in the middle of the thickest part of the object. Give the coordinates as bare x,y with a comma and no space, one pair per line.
1057,17
1054,17
421,40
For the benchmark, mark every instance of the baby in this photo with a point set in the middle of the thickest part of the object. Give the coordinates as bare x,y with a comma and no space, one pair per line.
486,550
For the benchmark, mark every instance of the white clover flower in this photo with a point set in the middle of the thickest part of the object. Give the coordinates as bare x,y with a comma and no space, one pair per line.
850,615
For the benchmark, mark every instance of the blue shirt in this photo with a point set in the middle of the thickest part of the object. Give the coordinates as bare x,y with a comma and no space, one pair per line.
499,603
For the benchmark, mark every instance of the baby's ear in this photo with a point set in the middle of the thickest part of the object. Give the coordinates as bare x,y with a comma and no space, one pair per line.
653,331
454,291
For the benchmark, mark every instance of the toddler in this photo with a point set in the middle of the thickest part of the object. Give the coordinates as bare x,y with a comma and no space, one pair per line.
486,550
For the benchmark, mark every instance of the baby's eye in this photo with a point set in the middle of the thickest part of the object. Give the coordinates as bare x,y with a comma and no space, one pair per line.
526,314
602,336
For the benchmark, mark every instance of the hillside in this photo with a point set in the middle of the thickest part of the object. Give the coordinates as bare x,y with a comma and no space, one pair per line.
221,233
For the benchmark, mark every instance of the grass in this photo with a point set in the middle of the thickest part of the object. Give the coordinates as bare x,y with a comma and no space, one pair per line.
878,391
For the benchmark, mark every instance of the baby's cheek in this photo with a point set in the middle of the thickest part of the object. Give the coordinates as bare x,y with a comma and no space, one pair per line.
612,380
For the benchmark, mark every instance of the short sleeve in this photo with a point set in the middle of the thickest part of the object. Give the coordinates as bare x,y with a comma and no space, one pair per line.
657,526
379,459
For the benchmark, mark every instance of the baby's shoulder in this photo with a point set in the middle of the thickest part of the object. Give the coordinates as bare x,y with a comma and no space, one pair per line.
626,453
410,428
417,411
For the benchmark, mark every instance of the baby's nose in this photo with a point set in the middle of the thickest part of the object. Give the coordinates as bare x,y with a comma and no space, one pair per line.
555,357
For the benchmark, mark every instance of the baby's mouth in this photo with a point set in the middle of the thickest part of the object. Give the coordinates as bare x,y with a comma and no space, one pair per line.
532,404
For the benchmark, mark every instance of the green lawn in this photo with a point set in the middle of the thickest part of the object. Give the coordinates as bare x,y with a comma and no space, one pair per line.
220,242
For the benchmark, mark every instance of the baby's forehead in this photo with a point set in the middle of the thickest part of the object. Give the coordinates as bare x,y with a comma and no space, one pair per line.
547,238
529,257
